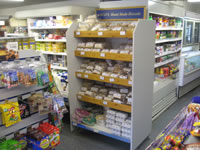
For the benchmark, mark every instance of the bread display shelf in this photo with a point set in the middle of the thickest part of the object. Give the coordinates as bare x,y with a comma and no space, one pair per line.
96,77
104,34
107,55
122,107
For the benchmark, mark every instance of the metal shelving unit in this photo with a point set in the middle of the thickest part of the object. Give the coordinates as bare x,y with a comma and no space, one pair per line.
165,90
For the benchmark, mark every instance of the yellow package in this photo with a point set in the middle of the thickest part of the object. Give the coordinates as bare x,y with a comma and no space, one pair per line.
10,113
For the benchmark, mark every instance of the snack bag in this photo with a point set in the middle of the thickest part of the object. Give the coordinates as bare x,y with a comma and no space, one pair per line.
10,113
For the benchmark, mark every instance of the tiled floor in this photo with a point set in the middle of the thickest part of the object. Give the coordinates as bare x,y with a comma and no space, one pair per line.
86,140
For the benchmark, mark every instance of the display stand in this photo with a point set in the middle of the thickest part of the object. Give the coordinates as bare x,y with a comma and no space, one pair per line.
142,78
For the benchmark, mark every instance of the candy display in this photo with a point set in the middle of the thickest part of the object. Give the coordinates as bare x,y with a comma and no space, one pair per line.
10,113
185,124
37,139
46,136
27,74
108,92
24,109
53,133
10,145
92,24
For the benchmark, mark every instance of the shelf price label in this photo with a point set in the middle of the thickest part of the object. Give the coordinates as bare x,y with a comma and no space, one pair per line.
79,97
82,53
105,103
112,80
100,33
102,54
95,130
78,33
75,124
122,33
130,82
79,75
86,76
101,78
26,96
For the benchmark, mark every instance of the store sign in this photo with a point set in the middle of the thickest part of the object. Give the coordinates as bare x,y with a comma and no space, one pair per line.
2,23
122,13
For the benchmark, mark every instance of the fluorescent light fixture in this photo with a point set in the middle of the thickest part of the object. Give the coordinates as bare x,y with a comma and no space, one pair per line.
193,1
11,0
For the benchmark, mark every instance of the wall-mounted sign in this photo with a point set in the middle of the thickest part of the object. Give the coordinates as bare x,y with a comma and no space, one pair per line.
122,13
2,23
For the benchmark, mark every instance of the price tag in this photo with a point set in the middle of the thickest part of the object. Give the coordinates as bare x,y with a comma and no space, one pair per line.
95,130
122,33
105,103
79,75
79,97
100,33
130,82
23,131
10,136
102,54
112,80
75,124
101,77
82,53
86,76
26,96
78,33
35,125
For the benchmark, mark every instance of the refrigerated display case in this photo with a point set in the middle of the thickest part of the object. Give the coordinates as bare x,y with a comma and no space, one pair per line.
188,32
189,74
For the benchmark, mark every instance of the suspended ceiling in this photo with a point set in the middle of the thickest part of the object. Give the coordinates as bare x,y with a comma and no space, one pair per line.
12,4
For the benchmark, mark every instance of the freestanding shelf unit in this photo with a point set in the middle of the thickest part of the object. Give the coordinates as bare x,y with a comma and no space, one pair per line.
143,39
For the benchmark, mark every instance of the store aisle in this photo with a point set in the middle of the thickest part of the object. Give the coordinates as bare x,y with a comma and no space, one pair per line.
85,140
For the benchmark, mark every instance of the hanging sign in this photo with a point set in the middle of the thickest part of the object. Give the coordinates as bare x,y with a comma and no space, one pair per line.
121,13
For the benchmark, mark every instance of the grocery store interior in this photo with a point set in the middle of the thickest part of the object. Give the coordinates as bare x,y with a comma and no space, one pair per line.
100,75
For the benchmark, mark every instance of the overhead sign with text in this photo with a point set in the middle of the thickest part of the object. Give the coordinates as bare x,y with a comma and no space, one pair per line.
123,13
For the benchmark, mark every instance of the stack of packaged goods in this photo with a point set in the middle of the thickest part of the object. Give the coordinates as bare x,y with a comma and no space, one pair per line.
119,123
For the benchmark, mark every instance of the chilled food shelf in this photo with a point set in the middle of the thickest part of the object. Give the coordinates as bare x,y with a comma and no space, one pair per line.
101,130
168,40
53,53
58,67
107,55
105,103
96,77
49,27
165,62
50,40
168,29
104,34
167,53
